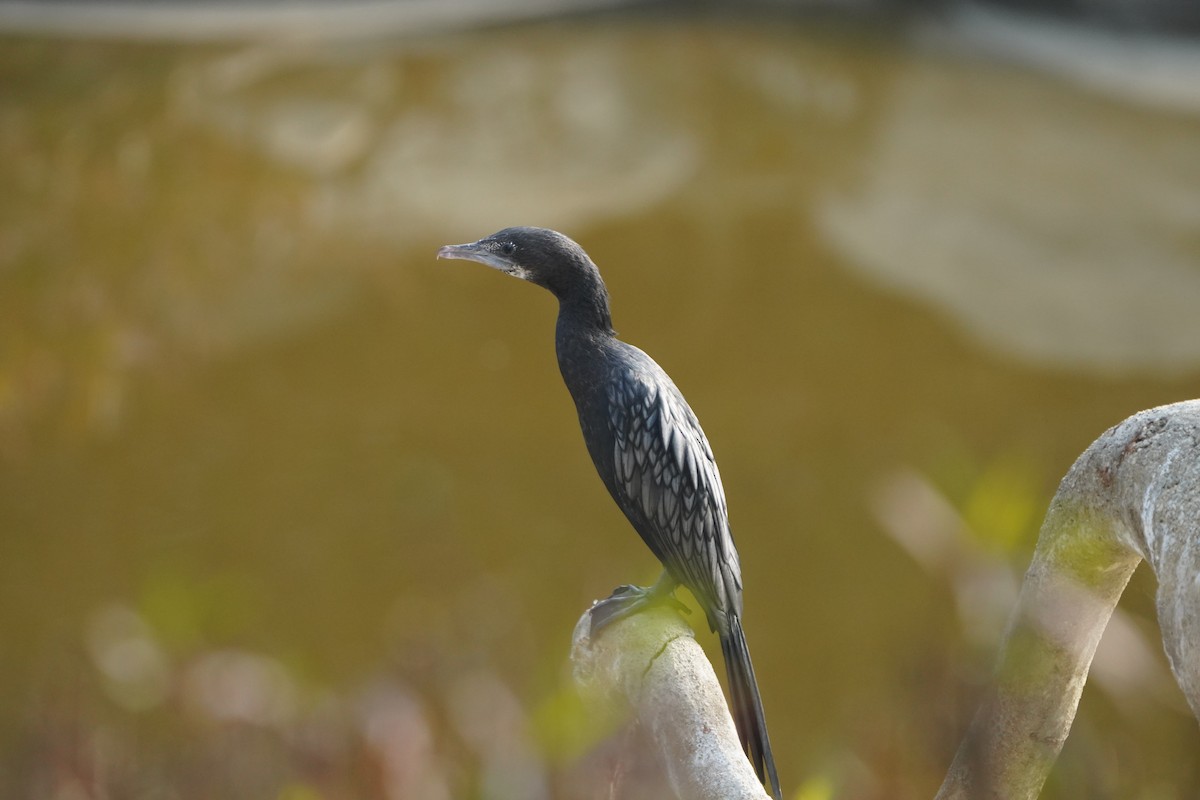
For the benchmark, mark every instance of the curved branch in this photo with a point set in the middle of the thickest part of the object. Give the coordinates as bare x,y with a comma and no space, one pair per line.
651,664
1134,494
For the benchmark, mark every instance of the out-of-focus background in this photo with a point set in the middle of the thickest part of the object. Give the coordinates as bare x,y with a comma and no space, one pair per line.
288,509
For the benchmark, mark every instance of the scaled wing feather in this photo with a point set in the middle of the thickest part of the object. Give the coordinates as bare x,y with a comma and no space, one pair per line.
669,486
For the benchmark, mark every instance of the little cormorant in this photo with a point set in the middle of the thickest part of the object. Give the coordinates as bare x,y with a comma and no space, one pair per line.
650,452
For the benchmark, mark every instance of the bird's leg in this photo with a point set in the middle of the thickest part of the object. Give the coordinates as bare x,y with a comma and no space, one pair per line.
628,599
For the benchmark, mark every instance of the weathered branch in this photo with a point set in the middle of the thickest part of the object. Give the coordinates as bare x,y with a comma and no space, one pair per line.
651,664
1134,494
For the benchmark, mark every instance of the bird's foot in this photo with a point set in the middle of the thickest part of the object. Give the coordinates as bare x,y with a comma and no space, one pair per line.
627,599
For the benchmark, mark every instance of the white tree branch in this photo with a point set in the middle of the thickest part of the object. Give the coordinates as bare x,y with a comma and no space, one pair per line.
1134,494
651,664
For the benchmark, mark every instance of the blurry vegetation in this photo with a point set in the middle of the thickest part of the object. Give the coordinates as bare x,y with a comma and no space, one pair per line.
1001,500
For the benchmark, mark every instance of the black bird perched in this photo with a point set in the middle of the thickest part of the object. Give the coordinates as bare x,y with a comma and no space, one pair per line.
650,452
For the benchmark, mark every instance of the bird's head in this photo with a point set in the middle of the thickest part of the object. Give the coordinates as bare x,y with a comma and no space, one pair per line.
537,255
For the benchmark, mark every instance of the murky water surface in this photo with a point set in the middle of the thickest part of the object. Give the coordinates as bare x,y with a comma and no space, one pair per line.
290,509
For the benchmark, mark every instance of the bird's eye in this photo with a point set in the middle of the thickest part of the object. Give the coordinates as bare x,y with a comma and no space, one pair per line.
508,248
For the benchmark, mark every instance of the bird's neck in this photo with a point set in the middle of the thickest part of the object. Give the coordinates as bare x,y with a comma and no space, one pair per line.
583,306
584,332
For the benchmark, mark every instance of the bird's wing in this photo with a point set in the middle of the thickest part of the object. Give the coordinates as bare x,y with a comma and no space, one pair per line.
669,487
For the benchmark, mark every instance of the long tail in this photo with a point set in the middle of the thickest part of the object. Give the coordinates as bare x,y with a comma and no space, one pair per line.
747,704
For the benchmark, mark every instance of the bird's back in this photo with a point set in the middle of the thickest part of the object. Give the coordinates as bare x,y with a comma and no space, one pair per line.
655,460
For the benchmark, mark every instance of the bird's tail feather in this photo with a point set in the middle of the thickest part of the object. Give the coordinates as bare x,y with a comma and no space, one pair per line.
747,704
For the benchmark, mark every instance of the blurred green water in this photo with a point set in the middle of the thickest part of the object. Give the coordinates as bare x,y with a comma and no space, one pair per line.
278,491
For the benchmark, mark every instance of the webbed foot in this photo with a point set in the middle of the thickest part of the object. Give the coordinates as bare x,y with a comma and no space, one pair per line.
628,599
